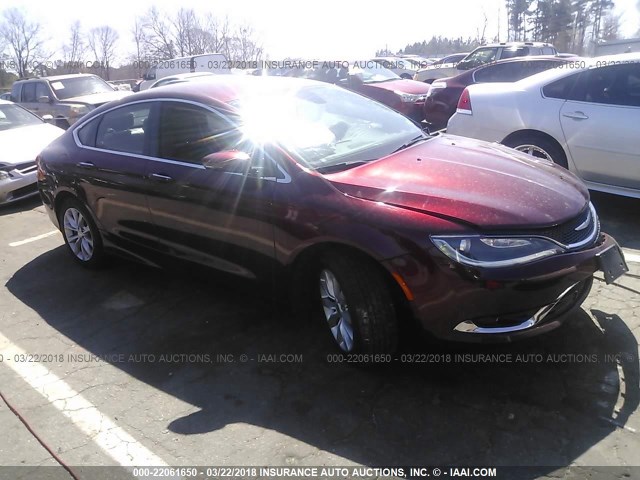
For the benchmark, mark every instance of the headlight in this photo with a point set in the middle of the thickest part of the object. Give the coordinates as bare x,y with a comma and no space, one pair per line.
494,252
78,110
411,97
4,175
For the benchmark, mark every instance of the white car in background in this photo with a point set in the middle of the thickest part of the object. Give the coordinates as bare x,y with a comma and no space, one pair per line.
584,115
23,135
403,67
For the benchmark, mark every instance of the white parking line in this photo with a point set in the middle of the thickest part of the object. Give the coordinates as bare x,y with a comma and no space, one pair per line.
112,439
631,255
34,239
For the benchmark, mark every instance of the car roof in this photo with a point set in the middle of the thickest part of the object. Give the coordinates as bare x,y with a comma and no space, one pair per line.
58,77
517,44
223,88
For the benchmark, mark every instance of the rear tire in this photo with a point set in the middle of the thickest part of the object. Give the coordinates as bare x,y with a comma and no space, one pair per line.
81,235
538,146
356,304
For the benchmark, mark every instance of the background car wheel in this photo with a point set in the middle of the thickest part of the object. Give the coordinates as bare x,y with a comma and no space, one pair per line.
538,146
62,123
80,234
357,305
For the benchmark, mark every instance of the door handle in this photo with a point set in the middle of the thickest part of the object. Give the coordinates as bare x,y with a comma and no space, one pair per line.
161,178
87,165
576,115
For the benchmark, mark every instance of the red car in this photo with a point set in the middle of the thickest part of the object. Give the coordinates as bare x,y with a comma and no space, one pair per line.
371,79
443,97
340,201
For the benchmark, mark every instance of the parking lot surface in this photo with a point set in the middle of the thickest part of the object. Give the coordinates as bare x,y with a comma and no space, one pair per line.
136,366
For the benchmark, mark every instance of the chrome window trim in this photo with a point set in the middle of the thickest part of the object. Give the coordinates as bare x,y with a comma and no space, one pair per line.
78,126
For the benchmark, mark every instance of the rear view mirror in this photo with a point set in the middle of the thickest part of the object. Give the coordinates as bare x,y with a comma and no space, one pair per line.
226,159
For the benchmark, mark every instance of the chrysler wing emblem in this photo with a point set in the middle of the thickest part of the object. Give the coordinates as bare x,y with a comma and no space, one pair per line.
584,224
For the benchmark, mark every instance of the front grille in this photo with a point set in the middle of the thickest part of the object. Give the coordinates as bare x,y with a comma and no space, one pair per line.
23,167
24,191
566,233
26,167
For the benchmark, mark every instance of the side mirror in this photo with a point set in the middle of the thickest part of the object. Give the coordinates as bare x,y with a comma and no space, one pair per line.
226,159
48,119
44,99
464,65
355,81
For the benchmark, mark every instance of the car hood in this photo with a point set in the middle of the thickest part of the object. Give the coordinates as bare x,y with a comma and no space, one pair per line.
401,85
23,144
98,98
482,184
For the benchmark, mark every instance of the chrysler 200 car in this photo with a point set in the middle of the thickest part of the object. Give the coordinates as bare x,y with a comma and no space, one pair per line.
340,199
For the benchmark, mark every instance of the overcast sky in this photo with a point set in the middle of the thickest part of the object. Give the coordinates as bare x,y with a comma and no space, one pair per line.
328,29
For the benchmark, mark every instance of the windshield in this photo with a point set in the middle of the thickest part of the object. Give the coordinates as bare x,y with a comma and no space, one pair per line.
13,116
324,125
79,86
372,72
481,56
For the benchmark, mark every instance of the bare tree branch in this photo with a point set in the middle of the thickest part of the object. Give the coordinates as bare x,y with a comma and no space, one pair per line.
24,39
102,43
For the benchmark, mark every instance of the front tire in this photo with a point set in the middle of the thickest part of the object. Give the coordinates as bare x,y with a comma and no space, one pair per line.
357,305
81,235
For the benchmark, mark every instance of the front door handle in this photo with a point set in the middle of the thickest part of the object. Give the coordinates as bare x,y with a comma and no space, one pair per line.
161,178
576,115
87,165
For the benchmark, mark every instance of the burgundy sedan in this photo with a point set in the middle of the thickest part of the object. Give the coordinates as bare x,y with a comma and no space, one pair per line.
337,199
442,99
404,95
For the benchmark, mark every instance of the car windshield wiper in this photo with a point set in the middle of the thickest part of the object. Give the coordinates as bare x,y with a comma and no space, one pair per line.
338,167
413,141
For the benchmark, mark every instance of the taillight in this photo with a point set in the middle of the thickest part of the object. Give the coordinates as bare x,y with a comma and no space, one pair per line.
464,103
40,175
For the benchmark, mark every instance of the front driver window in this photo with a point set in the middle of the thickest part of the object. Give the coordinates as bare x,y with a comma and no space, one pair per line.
189,133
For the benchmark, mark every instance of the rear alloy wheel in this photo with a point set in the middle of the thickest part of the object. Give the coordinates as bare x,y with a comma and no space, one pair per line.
539,147
357,305
80,234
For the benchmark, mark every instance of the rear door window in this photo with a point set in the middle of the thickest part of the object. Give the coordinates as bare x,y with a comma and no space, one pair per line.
515,52
29,92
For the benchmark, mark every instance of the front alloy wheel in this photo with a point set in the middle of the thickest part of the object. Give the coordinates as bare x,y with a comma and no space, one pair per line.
357,303
336,310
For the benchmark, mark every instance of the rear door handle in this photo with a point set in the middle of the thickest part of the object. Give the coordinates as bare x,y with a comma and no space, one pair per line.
87,165
161,178
576,115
